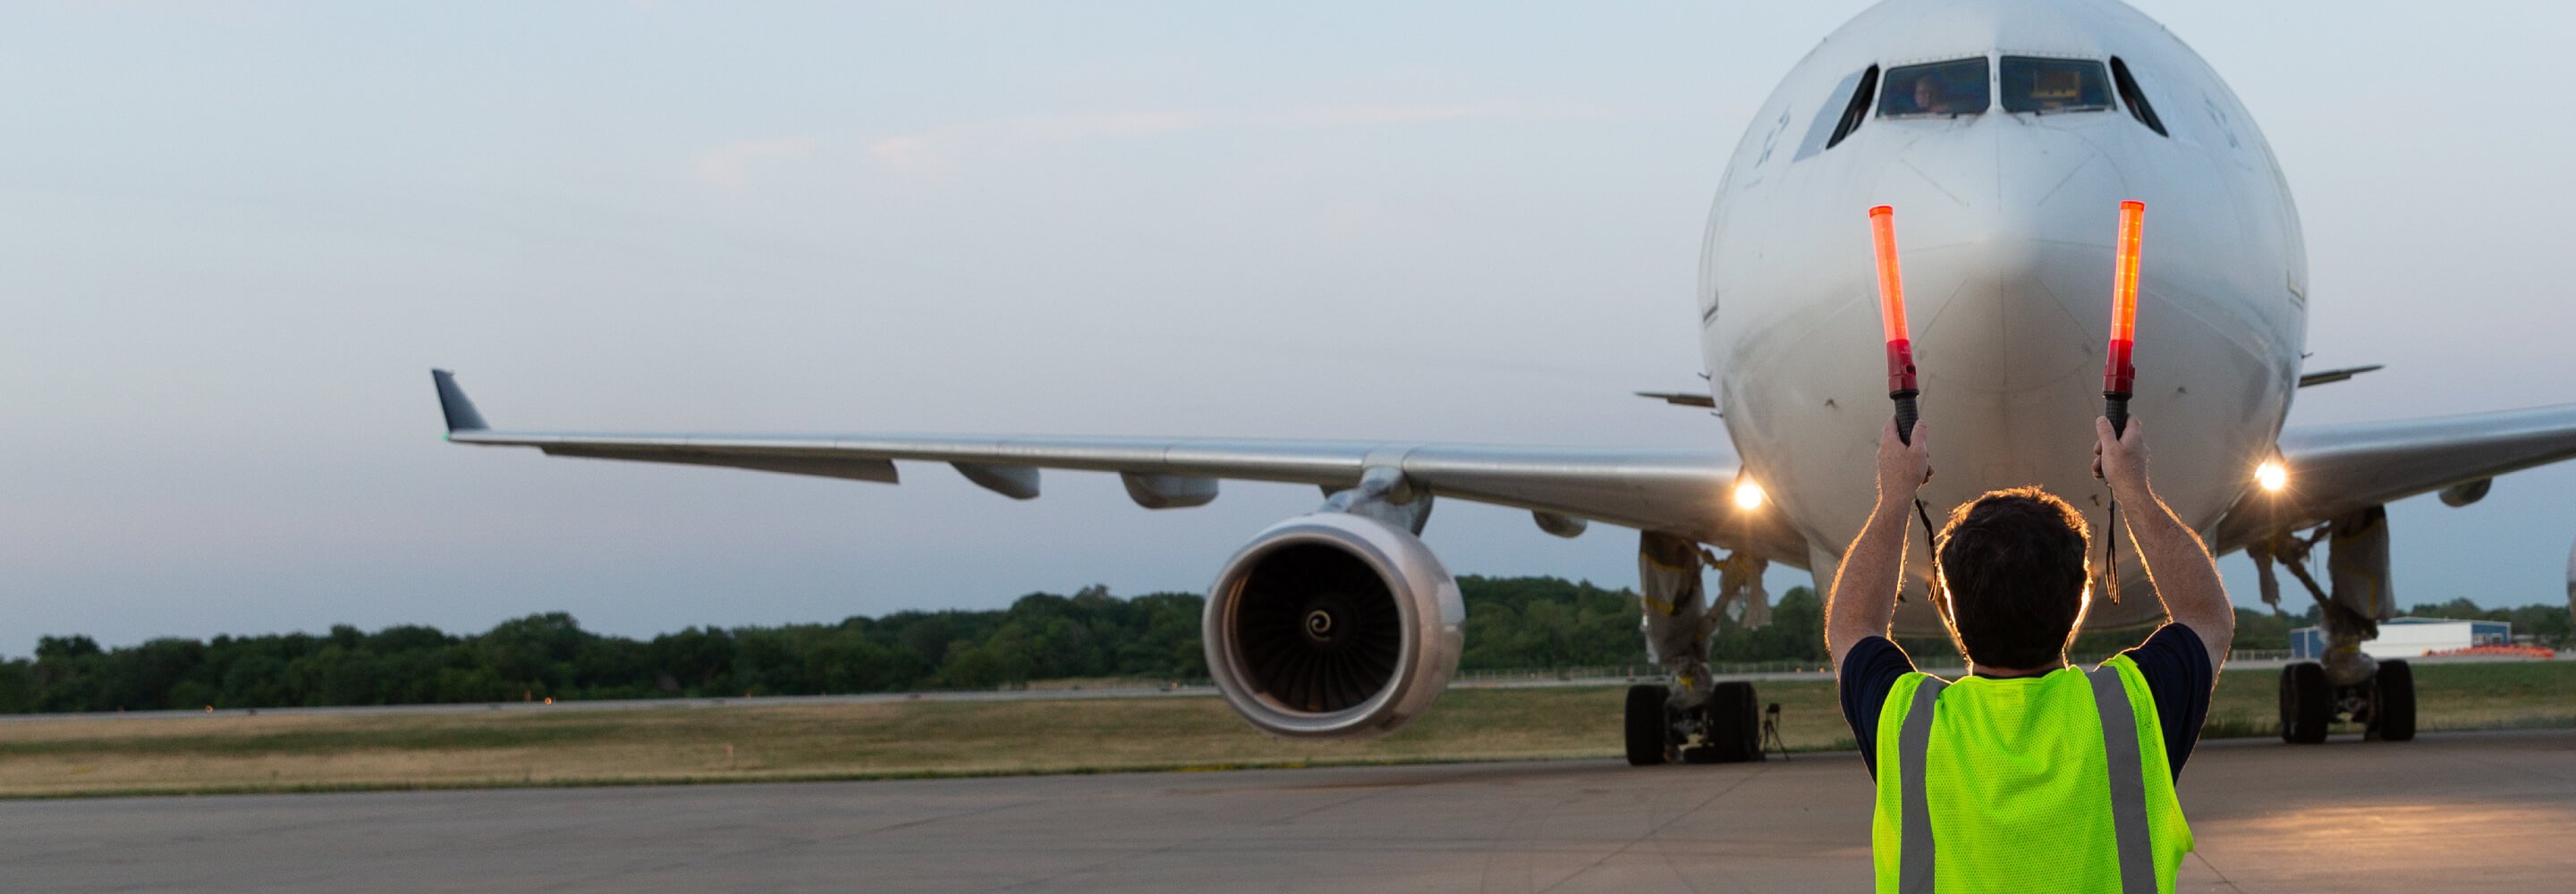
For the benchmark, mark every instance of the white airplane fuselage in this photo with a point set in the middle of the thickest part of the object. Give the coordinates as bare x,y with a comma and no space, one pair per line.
2005,221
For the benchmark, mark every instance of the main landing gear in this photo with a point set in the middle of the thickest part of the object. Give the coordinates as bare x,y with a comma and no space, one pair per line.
2348,686
1727,728
2383,703
1694,720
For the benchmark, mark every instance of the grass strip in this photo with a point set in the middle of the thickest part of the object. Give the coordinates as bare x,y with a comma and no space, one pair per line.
278,753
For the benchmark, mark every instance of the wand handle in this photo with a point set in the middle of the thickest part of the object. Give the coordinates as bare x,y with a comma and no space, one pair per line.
1906,414
2115,407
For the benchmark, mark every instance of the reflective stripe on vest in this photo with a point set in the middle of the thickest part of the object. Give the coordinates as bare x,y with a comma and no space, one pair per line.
2119,745
1915,741
2128,786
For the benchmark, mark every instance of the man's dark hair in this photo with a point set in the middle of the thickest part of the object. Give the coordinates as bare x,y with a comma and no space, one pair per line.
2013,562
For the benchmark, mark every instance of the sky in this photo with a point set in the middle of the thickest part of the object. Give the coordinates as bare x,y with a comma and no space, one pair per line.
235,237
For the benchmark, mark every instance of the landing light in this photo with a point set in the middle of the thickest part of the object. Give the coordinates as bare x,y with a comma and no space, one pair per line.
1748,495
2271,475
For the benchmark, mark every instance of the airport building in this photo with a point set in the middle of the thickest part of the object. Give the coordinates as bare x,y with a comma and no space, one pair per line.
2409,638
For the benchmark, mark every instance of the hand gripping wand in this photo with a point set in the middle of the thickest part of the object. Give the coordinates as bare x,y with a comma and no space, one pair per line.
2118,377
1901,385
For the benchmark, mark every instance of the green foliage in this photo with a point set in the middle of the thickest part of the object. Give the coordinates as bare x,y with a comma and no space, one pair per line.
1796,633
1545,622
2267,630
1090,634
1512,624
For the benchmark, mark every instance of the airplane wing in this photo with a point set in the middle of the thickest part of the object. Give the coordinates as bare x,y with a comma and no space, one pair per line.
1680,492
2336,469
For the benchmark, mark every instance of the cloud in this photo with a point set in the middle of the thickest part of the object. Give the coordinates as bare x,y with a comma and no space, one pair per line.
941,147
730,165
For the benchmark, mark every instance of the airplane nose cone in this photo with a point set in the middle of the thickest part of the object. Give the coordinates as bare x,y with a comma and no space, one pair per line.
2007,226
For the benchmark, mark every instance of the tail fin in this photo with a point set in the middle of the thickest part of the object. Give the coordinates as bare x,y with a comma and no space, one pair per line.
460,412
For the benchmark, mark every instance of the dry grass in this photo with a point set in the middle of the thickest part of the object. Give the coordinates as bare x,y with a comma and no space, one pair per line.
272,752
228,752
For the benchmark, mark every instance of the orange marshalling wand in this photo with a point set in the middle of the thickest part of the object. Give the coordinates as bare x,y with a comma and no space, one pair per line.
1891,317
1900,345
2117,375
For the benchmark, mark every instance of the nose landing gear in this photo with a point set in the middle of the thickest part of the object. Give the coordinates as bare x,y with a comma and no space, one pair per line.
2348,686
1692,721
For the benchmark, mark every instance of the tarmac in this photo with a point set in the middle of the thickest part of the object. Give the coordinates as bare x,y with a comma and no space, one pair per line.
2450,811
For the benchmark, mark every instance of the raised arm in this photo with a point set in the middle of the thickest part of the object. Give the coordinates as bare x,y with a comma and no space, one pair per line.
2178,566
1864,598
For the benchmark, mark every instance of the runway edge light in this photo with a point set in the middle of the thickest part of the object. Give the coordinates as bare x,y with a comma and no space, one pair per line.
1901,386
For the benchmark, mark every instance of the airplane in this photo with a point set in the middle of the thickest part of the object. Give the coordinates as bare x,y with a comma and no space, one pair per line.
2006,133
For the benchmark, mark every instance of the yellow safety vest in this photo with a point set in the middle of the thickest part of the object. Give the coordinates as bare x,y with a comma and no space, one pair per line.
2050,783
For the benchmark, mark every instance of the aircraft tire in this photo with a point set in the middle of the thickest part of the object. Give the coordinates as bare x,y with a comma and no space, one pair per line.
1735,723
2393,702
1650,727
2307,703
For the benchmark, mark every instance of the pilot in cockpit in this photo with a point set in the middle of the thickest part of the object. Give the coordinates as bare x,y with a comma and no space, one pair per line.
1930,99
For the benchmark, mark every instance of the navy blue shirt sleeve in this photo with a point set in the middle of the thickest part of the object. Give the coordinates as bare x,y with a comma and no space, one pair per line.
1869,672
2179,676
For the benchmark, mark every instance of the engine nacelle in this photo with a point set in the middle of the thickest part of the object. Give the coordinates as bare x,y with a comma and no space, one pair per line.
1332,624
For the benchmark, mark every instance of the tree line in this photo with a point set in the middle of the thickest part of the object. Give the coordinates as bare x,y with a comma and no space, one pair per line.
1512,623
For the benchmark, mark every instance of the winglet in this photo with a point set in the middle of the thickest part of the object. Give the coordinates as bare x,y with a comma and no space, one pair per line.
451,401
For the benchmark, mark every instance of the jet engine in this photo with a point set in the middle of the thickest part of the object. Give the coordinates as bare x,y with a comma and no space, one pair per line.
1332,625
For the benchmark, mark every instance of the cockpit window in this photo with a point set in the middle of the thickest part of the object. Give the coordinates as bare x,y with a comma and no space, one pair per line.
1842,114
1940,89
2135,98
2054,85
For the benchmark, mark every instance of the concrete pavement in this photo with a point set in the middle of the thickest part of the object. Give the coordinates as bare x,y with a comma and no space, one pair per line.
2443,813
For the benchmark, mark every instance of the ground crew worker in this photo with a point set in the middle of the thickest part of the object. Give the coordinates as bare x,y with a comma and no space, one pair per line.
2026,774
